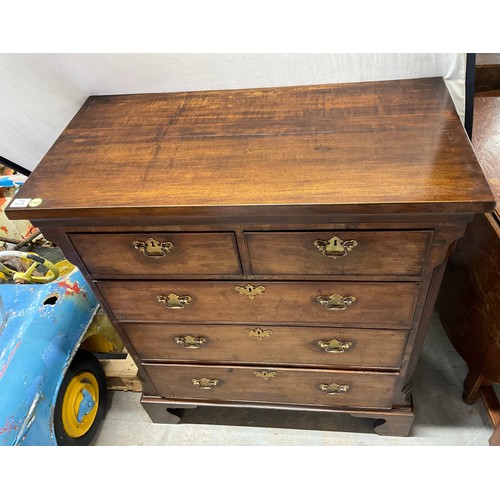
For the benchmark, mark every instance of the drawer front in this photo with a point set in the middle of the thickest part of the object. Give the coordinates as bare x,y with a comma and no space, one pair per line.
383,305
158,253
329,347
377,253
330,388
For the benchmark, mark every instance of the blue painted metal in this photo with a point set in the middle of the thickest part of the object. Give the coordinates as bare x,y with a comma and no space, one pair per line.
86,405
38,339
8,181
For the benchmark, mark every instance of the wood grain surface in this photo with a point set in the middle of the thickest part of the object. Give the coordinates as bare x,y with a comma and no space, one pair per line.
191,253
395,146
469,299
383,305
486,140
394,253
278,345
295,386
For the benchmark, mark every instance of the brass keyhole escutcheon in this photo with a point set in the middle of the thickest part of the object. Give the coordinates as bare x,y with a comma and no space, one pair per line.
258,333
334,345
336,302
174,301
250,291
335,247
153,248
265,374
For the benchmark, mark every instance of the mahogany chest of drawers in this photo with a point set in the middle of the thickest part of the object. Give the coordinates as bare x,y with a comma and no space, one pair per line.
277,247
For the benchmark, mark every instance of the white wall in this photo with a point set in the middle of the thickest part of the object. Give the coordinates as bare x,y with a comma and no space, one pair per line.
40,93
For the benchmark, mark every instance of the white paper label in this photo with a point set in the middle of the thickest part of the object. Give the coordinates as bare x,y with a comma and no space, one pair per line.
20,203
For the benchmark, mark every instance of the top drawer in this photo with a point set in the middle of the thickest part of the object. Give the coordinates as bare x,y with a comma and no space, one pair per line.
363,253
158,254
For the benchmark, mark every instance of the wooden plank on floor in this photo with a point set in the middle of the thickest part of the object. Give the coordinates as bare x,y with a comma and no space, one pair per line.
121,374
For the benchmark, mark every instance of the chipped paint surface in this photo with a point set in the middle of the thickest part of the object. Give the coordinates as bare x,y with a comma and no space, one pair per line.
70,288
37,343
3,368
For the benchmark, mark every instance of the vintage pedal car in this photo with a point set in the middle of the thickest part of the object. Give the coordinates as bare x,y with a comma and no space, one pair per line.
52,387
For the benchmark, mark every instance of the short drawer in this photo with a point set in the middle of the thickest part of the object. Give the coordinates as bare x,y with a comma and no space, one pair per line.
334,303
328,347
358,253
272,385
157,254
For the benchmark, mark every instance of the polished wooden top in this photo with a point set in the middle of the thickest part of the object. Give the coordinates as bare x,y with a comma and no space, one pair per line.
486,139
365,148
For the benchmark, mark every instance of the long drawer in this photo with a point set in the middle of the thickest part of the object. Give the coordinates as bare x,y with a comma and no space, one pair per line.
270,385
157,254
366,253
334,303
229,344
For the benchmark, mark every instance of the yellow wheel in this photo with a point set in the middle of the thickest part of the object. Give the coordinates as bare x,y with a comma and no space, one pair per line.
80,402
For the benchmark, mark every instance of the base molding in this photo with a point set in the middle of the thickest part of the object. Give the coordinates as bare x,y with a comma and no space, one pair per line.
396,422
389,422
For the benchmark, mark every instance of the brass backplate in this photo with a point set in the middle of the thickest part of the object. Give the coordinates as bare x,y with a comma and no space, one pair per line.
153,248
250,291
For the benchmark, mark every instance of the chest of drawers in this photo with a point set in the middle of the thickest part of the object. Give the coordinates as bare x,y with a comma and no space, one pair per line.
267,247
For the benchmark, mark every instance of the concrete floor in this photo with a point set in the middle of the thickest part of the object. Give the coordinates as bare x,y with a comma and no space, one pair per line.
442,419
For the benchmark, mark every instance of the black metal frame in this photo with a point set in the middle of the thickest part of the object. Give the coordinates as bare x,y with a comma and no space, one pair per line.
470,76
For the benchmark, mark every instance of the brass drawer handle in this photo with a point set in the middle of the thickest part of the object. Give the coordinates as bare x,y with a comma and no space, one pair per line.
174,301
250,291
205,383
153,248
334,345
336,302
334,388
190,342
335,247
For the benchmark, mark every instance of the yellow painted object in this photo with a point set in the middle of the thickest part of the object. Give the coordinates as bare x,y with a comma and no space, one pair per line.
80,404
101,336
31,261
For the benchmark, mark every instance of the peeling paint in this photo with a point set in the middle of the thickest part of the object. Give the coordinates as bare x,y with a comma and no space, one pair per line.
3,368
28,421
28,233
71,288
37,344
10,425
3,315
